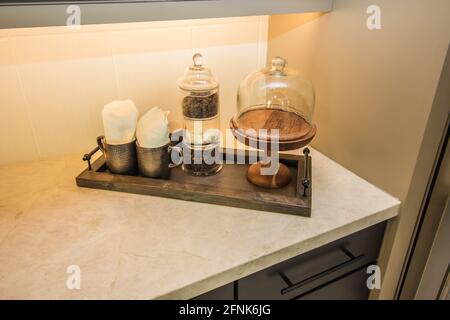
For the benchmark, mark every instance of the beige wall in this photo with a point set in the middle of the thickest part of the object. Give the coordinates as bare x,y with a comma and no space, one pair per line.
54,81
375,91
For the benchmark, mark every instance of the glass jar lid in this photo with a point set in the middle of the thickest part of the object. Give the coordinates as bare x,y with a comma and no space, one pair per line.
198,77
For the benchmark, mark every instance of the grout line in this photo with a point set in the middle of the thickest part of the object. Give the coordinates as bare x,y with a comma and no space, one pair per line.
262,41
259,43
113,56
25,99
191,40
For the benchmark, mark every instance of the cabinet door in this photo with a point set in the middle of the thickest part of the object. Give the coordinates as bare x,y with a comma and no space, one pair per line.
225,292
314,269
350,287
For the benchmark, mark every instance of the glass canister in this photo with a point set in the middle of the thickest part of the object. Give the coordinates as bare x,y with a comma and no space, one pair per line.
276,97
200,108
275,113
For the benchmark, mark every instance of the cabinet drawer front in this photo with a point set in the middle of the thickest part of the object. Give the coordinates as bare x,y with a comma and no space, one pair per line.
225,292
310,270
351,287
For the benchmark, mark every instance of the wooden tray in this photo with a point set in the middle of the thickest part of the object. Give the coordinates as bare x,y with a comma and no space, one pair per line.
229,187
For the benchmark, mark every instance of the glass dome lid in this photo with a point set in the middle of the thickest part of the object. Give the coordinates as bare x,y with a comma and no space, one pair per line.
275,97
198,77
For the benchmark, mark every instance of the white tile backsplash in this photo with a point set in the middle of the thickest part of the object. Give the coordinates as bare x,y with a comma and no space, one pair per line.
54,81
66,80
148,63
232,53
16,132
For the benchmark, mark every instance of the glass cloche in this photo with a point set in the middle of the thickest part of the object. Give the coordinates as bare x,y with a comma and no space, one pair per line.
275,97
274,112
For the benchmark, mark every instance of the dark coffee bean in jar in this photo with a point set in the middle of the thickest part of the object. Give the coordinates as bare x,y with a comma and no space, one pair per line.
200,107
201,169
202,162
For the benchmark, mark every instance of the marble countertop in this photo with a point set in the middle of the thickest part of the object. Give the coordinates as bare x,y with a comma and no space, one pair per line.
141,247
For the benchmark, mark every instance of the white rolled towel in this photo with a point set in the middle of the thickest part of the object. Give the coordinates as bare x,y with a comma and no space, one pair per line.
119,121
153,128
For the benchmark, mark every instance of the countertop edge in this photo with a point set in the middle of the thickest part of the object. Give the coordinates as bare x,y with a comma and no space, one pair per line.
260,263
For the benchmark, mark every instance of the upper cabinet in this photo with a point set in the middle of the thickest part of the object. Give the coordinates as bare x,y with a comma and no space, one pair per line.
33,13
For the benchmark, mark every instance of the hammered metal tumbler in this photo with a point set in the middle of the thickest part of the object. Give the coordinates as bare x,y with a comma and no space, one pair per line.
156,162
120,158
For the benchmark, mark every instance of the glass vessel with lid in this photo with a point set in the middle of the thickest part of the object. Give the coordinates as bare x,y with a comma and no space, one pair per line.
200,107
274,109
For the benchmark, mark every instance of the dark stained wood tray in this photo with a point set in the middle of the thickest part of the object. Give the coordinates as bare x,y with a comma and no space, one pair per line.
229,187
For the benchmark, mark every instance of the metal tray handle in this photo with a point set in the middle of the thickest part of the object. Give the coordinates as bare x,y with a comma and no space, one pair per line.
306,182
87,157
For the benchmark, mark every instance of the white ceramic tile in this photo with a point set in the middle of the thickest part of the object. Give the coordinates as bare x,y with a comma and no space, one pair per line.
61,47
229,20
4,33
221,34
67,79
149,62
64,77
150,25
232,51
16,133
180,23
263,39
140,54
6,58
42,31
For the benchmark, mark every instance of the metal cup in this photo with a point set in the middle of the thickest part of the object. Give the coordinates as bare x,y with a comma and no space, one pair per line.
156,162
120,158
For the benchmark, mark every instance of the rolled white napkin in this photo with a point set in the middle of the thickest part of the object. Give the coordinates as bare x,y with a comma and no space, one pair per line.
153,129
119,121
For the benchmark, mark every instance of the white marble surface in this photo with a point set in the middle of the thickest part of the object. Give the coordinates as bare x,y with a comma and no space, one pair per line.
141,247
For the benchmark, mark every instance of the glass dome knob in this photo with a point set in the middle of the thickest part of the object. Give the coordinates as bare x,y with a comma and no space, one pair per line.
198,60
278,65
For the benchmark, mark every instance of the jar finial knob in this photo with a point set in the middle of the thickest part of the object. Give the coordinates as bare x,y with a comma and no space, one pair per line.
198,60
278,64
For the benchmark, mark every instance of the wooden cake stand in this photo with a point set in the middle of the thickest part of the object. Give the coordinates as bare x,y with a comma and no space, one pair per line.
293,133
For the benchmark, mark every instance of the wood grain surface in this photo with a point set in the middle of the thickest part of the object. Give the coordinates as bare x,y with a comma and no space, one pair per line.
229,187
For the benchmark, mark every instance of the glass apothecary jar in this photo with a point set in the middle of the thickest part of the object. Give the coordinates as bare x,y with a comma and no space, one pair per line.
200,107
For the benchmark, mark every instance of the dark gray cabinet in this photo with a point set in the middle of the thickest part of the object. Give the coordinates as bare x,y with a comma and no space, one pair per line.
334,271
30,13
349,287
226,292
